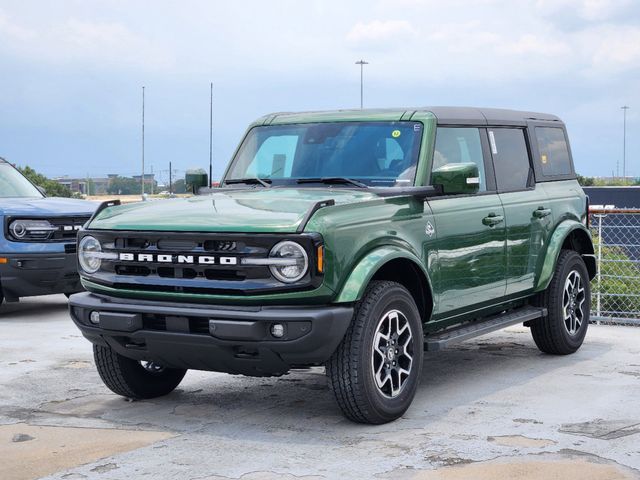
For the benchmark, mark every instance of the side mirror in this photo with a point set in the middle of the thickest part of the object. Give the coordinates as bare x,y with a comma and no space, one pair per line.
41,190
457,178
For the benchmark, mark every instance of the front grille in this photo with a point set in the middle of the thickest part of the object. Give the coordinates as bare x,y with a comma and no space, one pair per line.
66,229
166,323
173,262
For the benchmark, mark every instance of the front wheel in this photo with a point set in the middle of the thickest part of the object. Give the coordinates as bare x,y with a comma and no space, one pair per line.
132,379
568,303
375,371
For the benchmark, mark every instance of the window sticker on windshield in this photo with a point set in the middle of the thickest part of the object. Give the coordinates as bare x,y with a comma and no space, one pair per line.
395,133
416,127
543,158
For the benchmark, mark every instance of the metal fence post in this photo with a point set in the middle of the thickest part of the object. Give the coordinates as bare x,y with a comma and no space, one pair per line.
599,267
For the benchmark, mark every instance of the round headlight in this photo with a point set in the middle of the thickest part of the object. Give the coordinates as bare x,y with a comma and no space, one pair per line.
89,254
18,229
290,261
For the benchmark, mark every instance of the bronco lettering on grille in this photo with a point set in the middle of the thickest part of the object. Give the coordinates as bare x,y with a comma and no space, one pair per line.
180,259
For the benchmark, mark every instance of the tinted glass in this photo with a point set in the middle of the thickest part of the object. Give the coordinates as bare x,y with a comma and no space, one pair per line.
13,184
459,145
510,158
554,153
374,153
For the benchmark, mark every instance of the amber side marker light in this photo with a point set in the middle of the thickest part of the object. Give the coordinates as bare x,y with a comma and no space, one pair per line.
4,260
320,257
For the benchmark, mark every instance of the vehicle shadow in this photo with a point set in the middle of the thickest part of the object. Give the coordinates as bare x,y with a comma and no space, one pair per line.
28,306
466,378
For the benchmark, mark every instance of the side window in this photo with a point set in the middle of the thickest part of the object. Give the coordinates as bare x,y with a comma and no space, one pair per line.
274,158
510,158
554,153
459,145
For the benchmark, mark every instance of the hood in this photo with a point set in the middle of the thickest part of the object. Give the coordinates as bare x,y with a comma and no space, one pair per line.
46,207
278,210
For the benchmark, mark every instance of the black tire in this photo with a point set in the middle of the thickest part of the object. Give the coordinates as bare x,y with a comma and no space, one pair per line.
554,334
128,378
351,369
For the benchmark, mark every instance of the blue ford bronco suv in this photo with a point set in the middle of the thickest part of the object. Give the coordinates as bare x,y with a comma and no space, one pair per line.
38,241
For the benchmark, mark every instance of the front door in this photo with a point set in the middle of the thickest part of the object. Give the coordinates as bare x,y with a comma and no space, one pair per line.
470,229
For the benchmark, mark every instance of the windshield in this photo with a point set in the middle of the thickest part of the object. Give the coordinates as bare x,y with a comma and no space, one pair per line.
13,184
371,153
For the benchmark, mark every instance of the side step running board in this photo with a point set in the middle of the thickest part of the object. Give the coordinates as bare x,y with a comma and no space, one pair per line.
441,340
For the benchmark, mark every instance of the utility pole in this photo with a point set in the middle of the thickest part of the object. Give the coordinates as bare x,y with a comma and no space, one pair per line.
624,142
170,182
211,136
142,178
362,63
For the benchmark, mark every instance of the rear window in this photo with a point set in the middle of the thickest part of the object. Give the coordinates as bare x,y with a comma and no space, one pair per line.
554,152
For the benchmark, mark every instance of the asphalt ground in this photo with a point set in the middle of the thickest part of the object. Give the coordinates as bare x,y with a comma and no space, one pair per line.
491,408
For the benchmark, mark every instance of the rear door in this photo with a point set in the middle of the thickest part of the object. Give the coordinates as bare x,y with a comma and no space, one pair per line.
526,207
470,228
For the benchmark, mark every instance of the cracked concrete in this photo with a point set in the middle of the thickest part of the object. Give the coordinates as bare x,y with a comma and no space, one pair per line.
491,408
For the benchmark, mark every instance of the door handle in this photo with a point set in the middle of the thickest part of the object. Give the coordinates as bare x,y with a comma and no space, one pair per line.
542,212
492,220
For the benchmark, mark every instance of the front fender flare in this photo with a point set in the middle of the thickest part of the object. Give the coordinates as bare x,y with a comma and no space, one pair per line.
363,272
560,234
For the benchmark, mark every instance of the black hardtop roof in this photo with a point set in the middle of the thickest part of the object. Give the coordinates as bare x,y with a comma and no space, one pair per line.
444,115
488,116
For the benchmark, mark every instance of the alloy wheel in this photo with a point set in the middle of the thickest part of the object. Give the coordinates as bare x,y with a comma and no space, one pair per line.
573,299
392,353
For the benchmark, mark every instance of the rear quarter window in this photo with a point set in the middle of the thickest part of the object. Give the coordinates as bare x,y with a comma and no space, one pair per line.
553,152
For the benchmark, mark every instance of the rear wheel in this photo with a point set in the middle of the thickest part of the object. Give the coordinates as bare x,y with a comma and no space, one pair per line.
133,379
568,303
375,371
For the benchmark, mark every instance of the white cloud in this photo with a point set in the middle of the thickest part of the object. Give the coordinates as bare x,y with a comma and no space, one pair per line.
381,31
589,10
11,32
101,44
533,45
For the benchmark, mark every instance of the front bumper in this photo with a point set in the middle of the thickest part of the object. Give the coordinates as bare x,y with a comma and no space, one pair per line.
29,274
232,339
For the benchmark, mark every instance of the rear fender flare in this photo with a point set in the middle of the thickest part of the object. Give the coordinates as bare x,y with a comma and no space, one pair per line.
560,234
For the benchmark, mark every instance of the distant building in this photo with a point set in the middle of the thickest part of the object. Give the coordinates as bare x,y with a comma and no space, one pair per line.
86,185
99,185
149,179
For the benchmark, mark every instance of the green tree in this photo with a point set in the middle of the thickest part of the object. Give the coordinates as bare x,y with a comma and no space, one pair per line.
179,186
123,186
53,188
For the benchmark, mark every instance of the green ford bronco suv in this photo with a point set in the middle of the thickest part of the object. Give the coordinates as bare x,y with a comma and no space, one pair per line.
350,239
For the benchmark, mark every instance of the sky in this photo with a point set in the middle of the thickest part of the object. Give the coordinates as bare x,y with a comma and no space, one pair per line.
71,72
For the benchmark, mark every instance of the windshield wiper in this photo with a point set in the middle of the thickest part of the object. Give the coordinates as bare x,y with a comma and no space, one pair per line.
333,180
249,181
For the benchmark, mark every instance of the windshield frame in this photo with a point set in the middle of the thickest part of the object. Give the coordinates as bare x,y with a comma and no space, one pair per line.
25,182
416,154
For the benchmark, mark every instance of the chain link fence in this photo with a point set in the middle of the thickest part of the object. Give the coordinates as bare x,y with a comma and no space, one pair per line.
615,296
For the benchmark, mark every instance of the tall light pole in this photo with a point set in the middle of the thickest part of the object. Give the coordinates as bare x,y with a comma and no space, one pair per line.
142,178
362,63
211,136
624,142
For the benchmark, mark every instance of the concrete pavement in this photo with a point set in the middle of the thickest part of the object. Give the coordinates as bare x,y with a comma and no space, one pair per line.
490,408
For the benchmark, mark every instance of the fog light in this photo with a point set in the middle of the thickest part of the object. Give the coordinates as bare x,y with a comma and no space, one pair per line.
95,318
277,330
